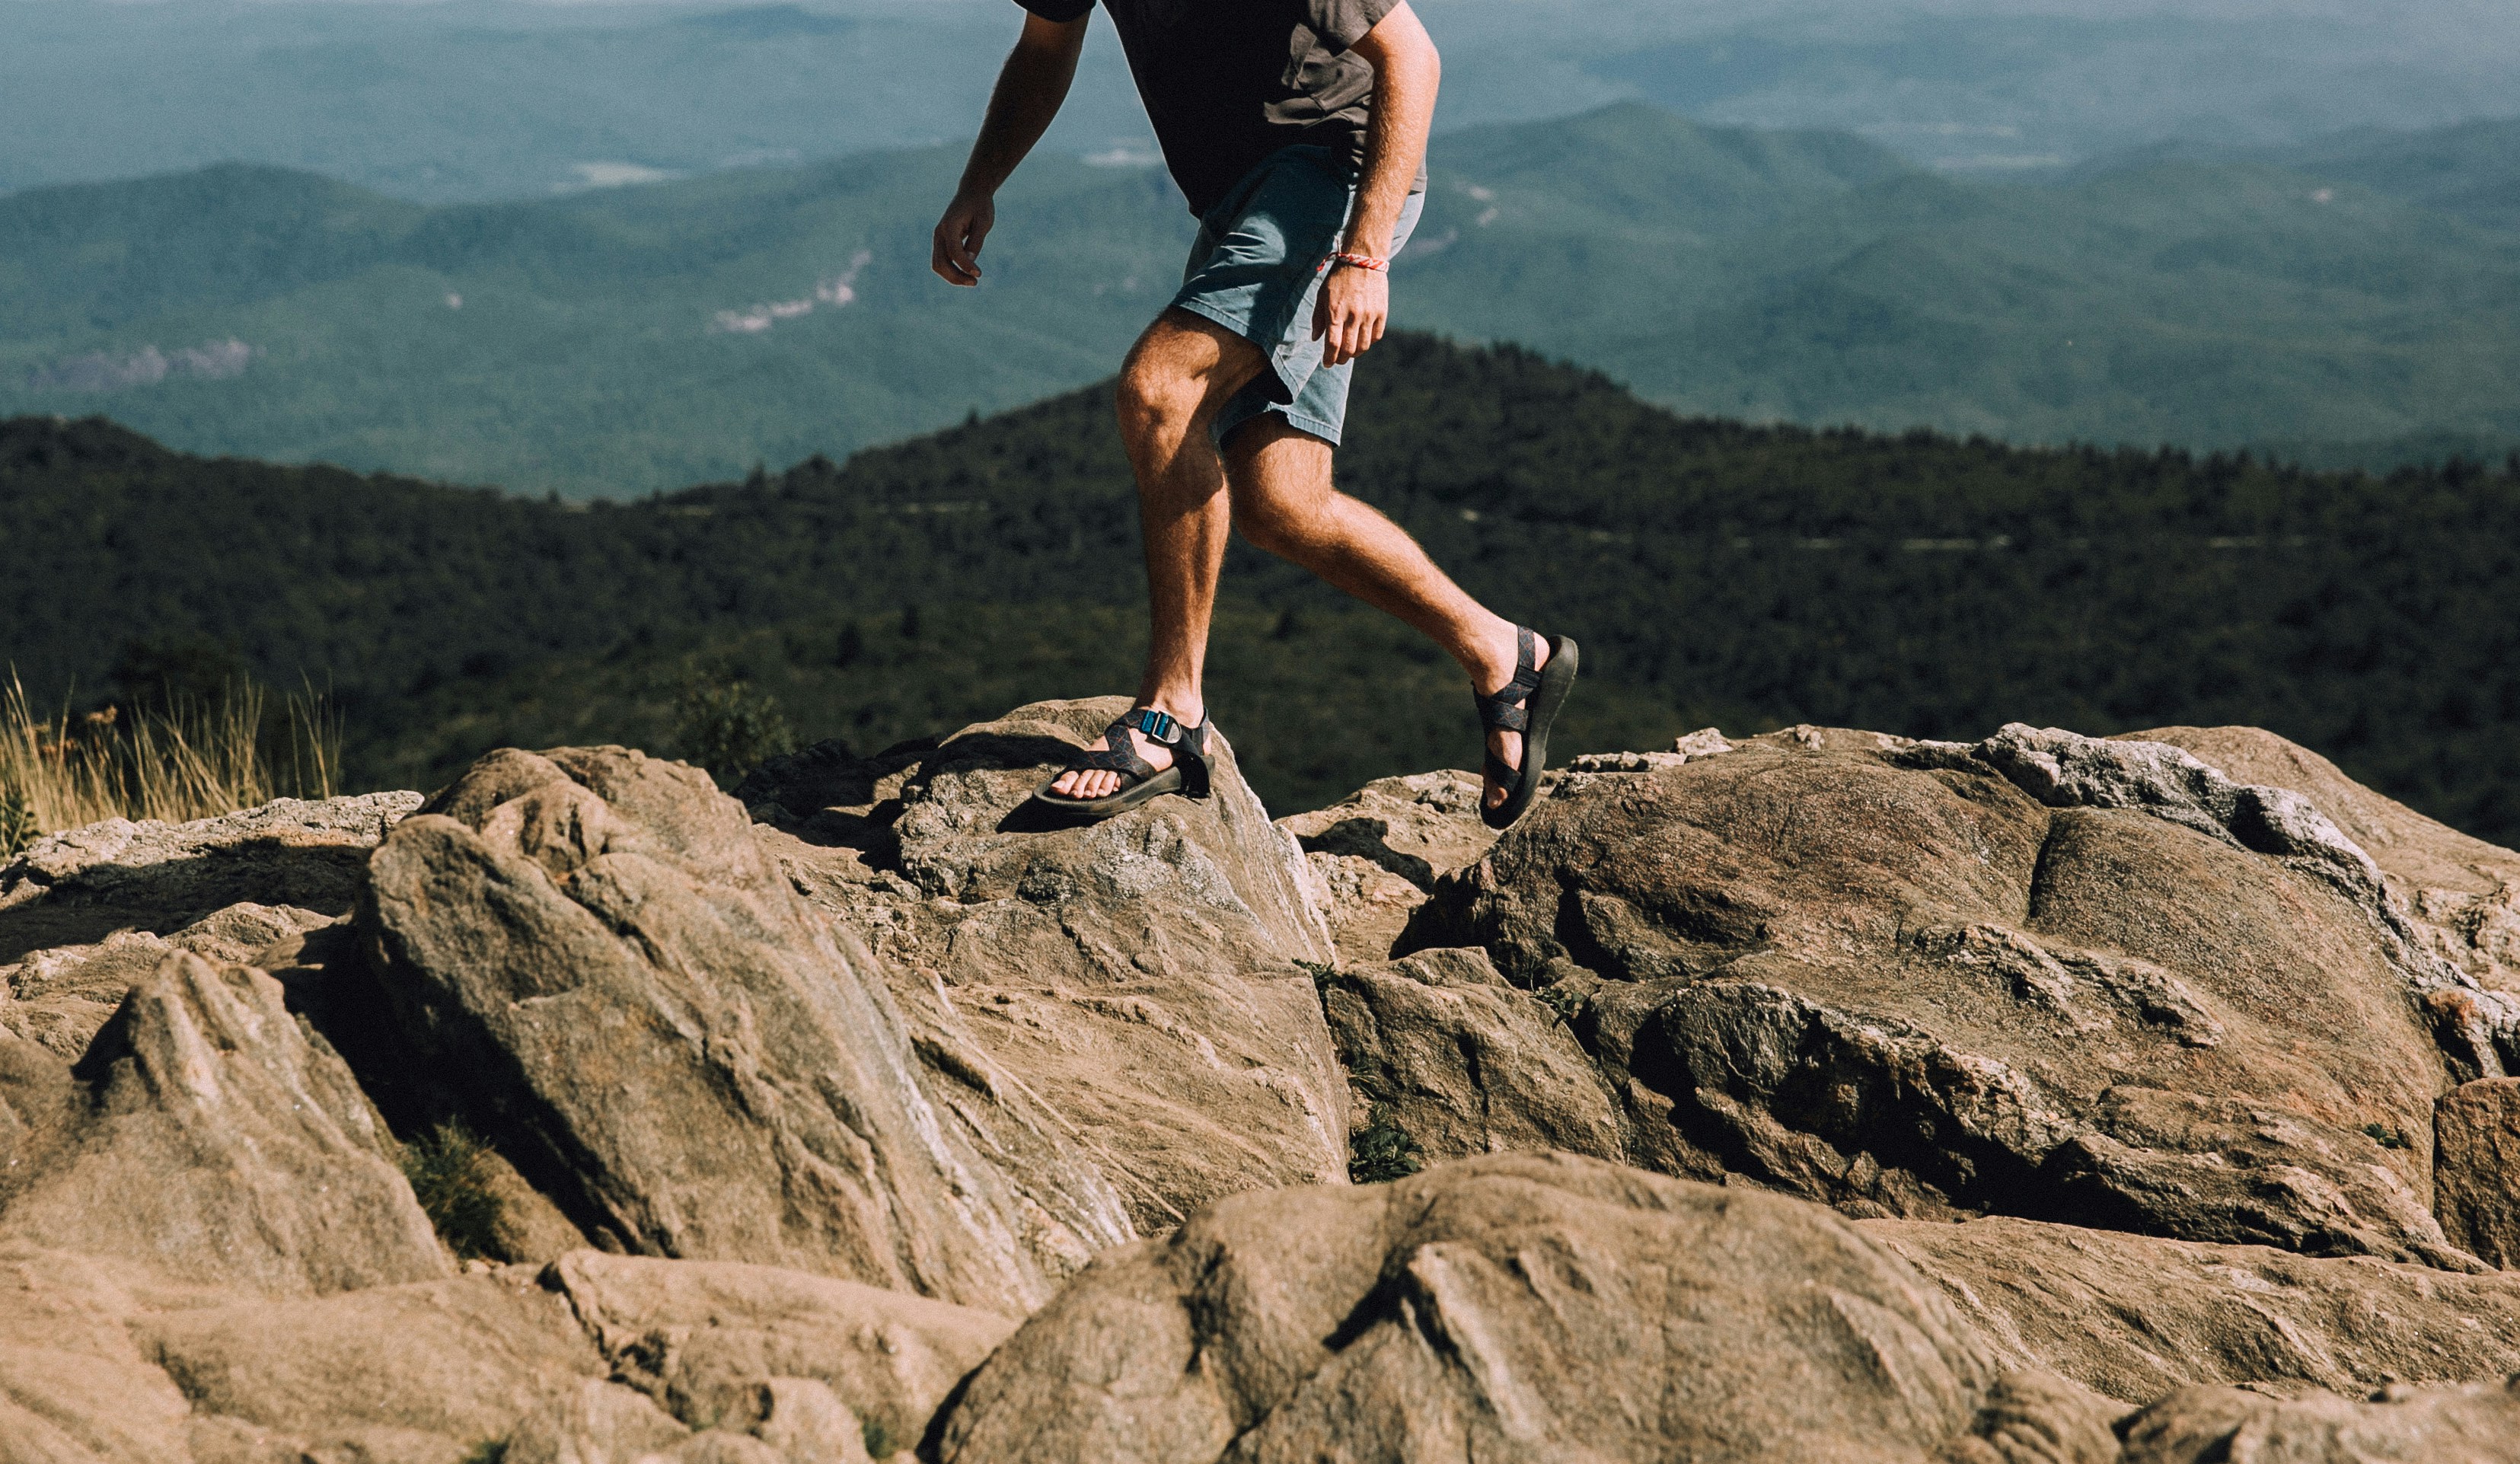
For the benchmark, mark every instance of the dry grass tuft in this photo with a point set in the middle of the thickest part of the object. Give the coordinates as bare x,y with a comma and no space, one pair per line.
192,757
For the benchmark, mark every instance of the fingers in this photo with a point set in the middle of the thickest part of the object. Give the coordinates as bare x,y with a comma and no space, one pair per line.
955,253
1354,311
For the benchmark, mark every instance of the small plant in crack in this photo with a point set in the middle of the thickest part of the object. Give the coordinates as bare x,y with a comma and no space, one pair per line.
450,1175
1382,1151
1321,971
2387,1137
880,1442
1563,1002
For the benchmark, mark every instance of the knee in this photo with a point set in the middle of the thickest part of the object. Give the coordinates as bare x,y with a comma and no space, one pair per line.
1269,524
1156,400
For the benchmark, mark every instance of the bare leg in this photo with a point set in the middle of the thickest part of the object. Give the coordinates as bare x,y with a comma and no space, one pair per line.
1179,376
1283,501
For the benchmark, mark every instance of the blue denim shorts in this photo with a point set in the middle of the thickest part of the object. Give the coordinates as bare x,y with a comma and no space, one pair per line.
1257,270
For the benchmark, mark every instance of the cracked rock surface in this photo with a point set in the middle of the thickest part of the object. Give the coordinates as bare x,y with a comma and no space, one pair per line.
2040,976
1515,1307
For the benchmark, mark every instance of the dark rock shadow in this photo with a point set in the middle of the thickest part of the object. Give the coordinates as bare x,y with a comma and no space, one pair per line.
1366,839
162,898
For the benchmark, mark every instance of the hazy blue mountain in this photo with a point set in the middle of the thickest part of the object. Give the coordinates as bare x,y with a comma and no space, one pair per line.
632,338
2182,302
2471,170
467,100
598,343
487,98
1989,89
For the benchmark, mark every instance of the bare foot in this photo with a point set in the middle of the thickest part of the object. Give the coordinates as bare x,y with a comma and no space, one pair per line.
1507,745
1089,784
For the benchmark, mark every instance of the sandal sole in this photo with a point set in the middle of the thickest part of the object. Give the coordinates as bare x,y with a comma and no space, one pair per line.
1095,810
1556,678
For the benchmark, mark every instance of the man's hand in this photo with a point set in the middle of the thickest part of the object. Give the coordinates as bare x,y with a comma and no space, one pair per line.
1355,309
1030,87
959,237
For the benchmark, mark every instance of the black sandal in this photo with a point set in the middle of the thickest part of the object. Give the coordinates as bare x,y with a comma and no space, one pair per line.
1527,704
1187,776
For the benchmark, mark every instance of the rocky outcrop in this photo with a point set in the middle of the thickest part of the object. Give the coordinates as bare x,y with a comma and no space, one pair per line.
2476,1168
1887,976
1142,980
2475,1424
629,998
850,1073
1463,1062
2133,1317
1512,1306
78,887
204,1134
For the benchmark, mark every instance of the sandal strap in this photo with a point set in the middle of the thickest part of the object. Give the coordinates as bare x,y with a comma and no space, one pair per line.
1506,709
1118,754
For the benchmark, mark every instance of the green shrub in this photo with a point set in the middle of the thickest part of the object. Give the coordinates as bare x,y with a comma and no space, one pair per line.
1382,1150
880,1442
449,1170
1564,1002
725,726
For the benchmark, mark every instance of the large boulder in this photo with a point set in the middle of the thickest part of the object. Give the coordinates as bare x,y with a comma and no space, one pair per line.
2133,1317
623,992
208,1136
2044,976
1514,1307
1144,979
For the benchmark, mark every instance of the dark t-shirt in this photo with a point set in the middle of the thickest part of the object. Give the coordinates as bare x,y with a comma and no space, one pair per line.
1228,82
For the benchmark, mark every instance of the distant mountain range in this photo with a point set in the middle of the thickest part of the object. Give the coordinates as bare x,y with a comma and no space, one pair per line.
632,338
466,101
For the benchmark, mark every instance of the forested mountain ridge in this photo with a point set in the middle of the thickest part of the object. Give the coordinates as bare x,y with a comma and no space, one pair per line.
1715,572
640,338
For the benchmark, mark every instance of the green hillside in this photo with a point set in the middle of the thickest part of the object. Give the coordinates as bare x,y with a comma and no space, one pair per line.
597,345
2471,171
1715,572
635,338
2207,305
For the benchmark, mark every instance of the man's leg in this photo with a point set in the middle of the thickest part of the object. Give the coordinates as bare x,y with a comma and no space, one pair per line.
1283,501
1180,374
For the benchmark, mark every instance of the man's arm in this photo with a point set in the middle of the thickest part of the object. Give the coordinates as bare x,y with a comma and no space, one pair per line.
1356,304
1031,88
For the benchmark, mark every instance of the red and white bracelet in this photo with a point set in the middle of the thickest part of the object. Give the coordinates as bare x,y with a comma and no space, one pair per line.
1366,262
